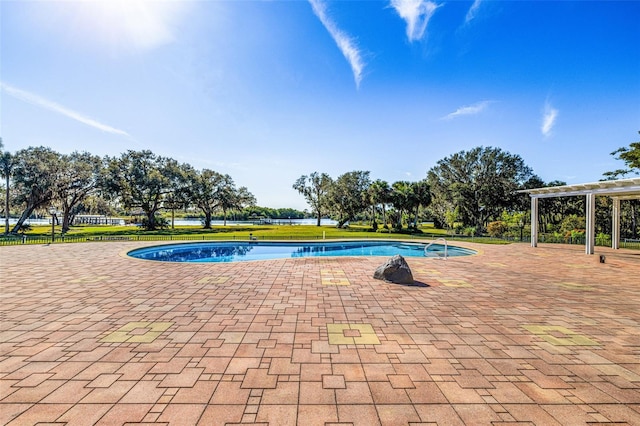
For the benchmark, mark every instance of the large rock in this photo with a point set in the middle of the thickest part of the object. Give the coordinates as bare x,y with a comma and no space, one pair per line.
395,270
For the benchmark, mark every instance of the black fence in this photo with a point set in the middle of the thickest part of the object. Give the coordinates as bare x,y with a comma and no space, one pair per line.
20,240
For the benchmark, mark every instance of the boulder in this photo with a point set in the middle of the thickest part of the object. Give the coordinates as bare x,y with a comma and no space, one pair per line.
395,270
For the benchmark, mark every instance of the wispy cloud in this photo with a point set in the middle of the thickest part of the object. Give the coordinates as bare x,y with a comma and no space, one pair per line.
345,43
39,101
474,109
473,10
549,116
416,14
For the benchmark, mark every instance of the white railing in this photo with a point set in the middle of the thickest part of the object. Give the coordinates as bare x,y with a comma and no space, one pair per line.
432,243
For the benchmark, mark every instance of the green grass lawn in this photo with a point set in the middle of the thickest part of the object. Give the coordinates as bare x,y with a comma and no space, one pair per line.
266,231
261,232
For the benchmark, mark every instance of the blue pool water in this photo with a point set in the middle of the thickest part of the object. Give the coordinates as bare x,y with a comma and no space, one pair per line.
258,250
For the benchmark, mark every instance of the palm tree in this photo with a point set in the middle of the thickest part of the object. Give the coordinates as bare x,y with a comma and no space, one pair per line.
379,195
420,197
401,198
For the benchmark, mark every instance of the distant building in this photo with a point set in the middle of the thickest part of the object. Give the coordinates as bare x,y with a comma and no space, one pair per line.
94,219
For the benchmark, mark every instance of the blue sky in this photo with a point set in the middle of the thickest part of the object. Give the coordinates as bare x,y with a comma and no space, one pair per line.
267,91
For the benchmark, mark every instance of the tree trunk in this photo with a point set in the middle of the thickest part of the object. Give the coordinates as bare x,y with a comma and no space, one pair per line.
398,220
66,221
25,215
384,217
207,219
151,220
319,218
66,213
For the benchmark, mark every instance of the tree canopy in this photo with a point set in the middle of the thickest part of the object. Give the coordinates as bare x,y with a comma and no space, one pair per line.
469,189
630,156
315,189
231,198
142,179
481,182
79,176
348,196
35,174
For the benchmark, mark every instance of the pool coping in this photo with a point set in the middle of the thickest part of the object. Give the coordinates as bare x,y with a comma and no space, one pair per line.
125,253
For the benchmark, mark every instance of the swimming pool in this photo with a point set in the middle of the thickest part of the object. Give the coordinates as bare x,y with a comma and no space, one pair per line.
238,251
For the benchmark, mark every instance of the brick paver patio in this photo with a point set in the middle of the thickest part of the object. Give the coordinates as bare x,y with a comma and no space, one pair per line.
514,335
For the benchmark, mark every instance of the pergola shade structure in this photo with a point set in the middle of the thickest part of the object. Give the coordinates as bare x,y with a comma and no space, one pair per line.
622,189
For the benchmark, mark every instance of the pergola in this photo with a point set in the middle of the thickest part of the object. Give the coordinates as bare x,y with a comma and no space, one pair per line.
623,189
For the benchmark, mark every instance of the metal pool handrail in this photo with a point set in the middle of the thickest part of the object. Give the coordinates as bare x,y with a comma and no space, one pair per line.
433,242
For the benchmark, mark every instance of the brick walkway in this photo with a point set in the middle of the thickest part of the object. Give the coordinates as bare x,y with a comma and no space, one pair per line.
513,335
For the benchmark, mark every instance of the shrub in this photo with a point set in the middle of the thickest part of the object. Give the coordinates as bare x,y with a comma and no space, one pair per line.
469,231
577,233
572,222
161,223
603,239
497,228
24,228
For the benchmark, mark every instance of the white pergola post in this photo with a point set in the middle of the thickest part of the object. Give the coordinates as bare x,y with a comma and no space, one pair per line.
534,221
591,223
615,224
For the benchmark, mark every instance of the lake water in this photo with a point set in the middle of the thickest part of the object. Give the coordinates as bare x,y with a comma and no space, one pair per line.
198,222
28,221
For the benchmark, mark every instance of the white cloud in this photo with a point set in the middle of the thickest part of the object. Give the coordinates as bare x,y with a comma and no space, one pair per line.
474,109
33,99
549,116
416,14
345,43
472,11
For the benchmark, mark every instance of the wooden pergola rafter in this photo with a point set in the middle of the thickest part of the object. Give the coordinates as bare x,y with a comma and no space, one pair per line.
622,189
